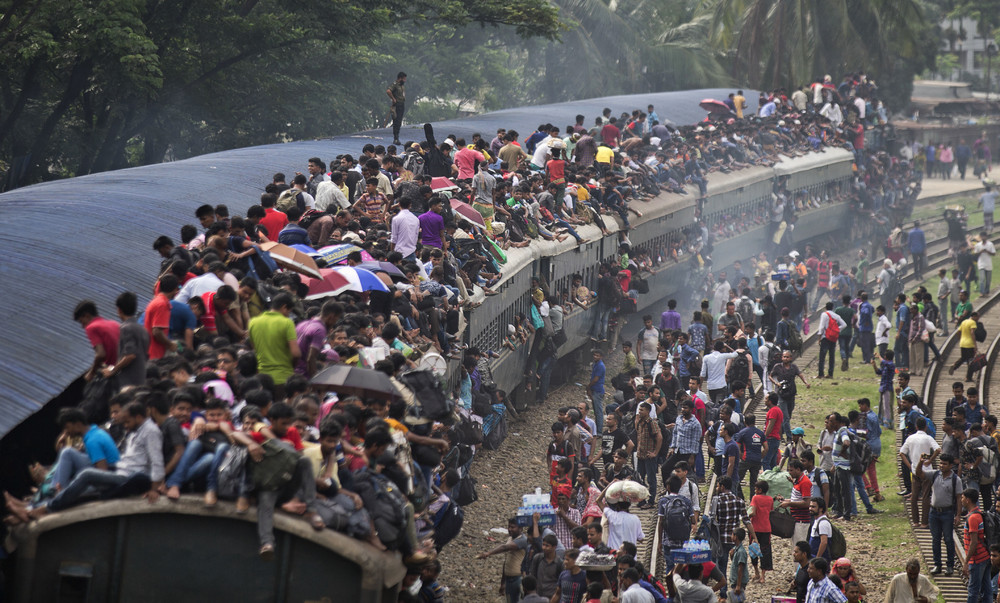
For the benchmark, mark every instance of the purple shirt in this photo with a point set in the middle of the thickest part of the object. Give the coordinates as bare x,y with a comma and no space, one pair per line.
431,226
671,319
310,334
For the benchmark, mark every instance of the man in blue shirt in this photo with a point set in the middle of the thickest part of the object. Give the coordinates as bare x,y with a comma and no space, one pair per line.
687,355
596,388
866,328
974,411
918,246
873,433
751,441
902,345
101,450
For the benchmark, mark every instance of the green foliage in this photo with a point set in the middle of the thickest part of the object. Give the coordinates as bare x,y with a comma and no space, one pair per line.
786,43
92,85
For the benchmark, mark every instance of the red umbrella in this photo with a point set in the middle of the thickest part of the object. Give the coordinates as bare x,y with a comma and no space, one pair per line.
332,283
713,106
440,183
468,212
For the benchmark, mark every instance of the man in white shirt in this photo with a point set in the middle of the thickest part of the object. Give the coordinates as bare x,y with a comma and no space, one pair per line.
826,345
713,371
622,525
920,448
690,589
405,230
882,328
329,193
985,250
630,589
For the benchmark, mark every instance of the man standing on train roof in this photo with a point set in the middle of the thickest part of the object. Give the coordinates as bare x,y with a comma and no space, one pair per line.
397,94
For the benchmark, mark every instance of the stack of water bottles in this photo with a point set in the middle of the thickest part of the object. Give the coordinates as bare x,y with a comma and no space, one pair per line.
536,503
693,551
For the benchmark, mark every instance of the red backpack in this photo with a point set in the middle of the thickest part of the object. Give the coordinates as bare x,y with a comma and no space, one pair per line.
832,332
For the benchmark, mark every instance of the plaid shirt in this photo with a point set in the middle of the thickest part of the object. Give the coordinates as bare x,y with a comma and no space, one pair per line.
687,435
728,511
824,591
562,529
645,435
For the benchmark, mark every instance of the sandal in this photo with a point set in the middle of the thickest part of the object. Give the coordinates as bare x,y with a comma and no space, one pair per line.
266,552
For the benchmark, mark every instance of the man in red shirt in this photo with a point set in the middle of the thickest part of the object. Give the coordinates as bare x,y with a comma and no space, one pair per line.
158,318
610,133
772,430
976,563
102,333
273,220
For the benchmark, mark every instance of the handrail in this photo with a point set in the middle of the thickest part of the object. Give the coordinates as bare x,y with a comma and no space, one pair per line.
987,372
654,554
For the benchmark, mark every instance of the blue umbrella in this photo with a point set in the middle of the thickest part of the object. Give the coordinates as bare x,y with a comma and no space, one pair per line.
333,254
364,280
304,248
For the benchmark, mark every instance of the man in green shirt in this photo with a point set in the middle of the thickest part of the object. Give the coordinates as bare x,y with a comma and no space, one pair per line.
863,265
846,312
272,335
397,93
963,309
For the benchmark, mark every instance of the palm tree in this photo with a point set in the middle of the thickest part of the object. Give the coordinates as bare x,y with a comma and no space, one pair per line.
775,43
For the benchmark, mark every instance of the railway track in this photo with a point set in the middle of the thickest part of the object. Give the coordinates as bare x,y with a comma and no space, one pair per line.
936,389
937,256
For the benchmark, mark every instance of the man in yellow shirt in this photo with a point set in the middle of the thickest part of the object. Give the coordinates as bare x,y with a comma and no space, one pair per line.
967,344
741,103
605,157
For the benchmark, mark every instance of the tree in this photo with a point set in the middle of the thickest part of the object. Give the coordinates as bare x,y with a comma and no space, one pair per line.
88,82
786,43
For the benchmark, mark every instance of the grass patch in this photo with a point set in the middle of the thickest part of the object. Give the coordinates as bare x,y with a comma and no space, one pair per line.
970,204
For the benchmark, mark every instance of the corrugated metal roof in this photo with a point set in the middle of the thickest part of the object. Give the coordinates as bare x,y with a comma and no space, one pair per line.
91,237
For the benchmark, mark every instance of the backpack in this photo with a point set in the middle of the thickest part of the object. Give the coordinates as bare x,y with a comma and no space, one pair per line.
980,332
794,337
709,531
838,544
746,310
739,370
276,469
988,467
310,216
388,511
991,527
832,328
465,492
677,518
428,393
231,473
894,286
289,198
414,162
861,454
447,524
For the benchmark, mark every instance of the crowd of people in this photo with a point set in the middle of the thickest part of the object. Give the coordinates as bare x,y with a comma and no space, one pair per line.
207,388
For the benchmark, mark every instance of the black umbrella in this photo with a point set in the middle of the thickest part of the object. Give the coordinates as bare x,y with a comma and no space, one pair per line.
356,381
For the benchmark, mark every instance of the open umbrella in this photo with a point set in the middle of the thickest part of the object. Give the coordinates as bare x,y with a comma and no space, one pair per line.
331,283
349,380
361,279
333,254
440,183
303,248
385,267
292,259
713,106
468,212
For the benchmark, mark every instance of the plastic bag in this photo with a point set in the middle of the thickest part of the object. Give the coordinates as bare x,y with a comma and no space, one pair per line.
627,491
